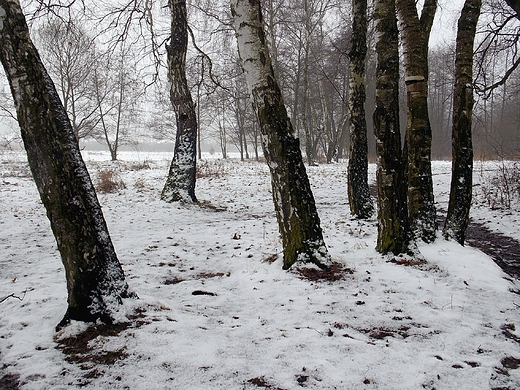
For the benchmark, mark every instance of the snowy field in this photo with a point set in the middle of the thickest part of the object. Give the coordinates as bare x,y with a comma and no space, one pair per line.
451,323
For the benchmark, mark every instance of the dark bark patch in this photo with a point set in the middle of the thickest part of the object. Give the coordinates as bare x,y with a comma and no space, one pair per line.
332,273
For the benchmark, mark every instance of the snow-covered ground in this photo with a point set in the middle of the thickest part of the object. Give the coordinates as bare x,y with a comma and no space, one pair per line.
452,323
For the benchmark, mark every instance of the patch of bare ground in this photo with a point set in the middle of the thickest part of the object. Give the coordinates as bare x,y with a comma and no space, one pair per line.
10,382
80,350
263,383
332,273
415,262
507,331
504,250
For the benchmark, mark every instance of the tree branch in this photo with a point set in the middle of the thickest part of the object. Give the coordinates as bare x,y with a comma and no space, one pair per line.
14,296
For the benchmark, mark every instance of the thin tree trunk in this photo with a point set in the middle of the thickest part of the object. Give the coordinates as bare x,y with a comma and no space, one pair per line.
392,216
296,212
180,184
361,205
462,149
415,36
95,279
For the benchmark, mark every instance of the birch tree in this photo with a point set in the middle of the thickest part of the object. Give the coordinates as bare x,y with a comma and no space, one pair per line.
180,184
358,194
462,148
95,280
415,37
294,203
392,215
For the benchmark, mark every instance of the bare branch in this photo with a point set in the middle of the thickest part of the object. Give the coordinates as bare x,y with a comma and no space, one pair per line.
14,296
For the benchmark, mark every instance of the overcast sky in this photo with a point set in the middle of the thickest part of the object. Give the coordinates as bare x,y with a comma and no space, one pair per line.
444,28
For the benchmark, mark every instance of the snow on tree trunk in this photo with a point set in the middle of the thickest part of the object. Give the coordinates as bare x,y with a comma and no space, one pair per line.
95,279
298,219
415,36
358,193
515,4
392,215
180,184
462,149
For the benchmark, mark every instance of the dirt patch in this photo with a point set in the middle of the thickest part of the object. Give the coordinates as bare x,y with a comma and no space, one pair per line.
78,348
332,273
505,251
263,383
10,382
507,331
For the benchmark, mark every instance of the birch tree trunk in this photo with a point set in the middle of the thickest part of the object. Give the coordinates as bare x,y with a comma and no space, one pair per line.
180,184
95,279
415,37
462,149
357,183
514,4
392,216
298,219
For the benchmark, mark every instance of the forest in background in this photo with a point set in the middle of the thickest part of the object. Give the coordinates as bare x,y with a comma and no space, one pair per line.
110,71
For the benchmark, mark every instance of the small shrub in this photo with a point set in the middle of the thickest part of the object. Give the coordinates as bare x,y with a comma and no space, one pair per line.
139,166
140,184
206,170
109,181
502,189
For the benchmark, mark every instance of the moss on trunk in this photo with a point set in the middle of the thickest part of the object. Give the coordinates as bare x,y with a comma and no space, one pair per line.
357,183
294,203
462,149
393,230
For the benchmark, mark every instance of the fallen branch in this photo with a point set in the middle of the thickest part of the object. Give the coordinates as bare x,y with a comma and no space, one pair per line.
14,296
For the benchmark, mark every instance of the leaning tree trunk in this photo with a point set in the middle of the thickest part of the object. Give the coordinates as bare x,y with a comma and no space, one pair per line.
393,230
95,279
298,219
415,36
357,182
180,184
462,149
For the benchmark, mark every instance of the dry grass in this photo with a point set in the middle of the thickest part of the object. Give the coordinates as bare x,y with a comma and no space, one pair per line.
109,181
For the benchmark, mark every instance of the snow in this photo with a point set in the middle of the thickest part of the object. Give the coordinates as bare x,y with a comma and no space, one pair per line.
440,324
